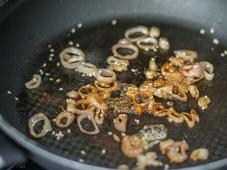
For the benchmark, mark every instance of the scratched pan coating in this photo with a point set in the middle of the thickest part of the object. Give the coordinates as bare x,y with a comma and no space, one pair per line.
96,42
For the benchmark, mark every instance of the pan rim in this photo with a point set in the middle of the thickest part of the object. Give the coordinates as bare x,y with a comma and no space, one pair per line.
29,145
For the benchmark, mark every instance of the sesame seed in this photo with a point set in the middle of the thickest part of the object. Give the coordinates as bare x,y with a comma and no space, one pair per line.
123,134
16,98
73,30
137,121
47,74
103,151
61,89
51,79
216,41
202,31
81,160
79,25
70,43
58,64
58,80
69,130
52,50
225,52
211,30
41,72
44,65
82,152
77,45
51,55
9,92
50,59
49,46
110,133
222,55
114,22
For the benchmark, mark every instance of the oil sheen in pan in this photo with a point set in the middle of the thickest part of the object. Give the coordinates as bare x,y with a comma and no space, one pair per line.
96,42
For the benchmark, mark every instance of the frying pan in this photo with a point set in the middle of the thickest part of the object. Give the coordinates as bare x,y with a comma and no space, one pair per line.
27,27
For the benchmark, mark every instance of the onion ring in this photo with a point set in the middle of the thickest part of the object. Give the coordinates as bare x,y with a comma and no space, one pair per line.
132,146
34,82
69,116
35,119
105,76
97,101
86,107
71,57
131,47
154,32
90,116
87,68
84,91
164,43
147,44
135,30
186,55
107,88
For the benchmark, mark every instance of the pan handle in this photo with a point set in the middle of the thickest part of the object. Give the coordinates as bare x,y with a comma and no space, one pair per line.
10,153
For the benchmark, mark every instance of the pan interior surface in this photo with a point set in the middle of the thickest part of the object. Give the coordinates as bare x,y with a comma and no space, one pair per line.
96,42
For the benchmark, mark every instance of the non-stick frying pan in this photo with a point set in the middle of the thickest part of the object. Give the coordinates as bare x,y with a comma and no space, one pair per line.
26,29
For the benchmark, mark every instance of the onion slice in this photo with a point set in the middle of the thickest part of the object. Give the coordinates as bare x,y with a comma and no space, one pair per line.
147,44
34,82
69,119
142,30
88,69
34,120
97,101
90,116
106,87
105,76
84,91
186,55
71,57
131,47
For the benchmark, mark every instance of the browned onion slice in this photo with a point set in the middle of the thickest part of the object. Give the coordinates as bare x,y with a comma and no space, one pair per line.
174,116
90,116
84,91
97,101
71,57
136,33
34,120
134,51
64,115
132,146
186,55
80,107
106,87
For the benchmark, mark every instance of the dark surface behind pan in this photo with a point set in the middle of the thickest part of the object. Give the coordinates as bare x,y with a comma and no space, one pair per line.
25,48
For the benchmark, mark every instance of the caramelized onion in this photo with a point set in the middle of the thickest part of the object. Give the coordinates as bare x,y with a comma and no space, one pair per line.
84,91
186,55
132,146
83,106
106,87
97,101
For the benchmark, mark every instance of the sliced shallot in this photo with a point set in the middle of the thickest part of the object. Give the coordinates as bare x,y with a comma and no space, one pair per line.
136,33
45,128
34,82
64,115
120,122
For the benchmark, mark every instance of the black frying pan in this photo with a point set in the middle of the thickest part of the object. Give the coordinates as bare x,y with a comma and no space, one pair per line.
27,27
